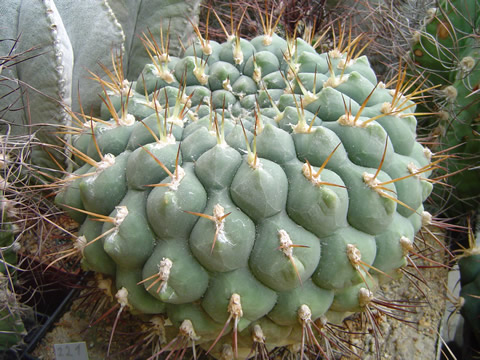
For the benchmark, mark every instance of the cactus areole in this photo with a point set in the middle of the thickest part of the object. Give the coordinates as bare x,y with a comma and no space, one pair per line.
260,181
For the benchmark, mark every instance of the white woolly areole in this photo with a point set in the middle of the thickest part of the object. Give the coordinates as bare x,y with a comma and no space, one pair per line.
235,306
226,84
164,269
207,48
164,58
107,161
199,72
413,169
365,297
428,153
334,81
451,93
307,171
175,120
416,37
370,180
267,39
407,245
309,98
257,334
187,330
388,108
398,95
126,87
177,178
285,243
354,255
335,53
218,211
122,213
89,124
126,120
349,120
153,104
426,218
227,352
104,284
165,75
166,140
301,127
431,14
257,73
342,64
237,53
292,72
322,321
467,64
80,243
122,297
304,314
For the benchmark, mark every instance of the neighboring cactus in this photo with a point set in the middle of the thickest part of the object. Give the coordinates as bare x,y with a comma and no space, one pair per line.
447,52
67,37
12,329
469,264
249,188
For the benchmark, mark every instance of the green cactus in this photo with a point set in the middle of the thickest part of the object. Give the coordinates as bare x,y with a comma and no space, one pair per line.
447,52
469,265
249,189
12,329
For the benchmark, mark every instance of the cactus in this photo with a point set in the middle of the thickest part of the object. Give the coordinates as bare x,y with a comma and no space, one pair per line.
12,328
64,45
446,51
469,265
249,190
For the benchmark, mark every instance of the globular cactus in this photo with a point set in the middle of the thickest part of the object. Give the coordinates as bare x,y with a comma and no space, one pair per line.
447,52
250,189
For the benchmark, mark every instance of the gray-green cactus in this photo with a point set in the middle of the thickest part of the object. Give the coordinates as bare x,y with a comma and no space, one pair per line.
255,183
65,39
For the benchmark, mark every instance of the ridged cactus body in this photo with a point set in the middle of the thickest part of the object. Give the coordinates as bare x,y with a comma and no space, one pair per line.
257,183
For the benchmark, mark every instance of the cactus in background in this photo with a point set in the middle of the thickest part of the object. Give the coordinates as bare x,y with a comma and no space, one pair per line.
447,52
64,45
469,264
12,329
250,190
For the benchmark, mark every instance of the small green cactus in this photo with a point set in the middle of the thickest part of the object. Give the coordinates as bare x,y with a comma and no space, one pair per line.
249,189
